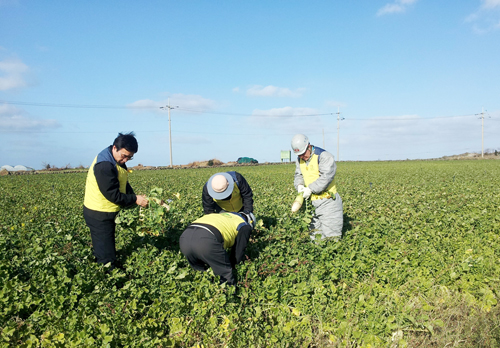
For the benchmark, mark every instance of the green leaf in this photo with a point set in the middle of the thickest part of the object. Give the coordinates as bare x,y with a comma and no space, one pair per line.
438,323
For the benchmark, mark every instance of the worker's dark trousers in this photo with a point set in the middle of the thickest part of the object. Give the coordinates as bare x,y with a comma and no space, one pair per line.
203,250
103,238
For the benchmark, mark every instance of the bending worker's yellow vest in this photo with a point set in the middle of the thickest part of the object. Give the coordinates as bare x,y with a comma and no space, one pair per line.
227,223
94,199
234,204
310,173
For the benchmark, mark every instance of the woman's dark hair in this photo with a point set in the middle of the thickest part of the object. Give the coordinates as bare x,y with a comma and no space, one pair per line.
126,141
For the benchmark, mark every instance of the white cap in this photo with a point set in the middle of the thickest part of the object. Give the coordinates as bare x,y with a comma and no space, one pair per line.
299,144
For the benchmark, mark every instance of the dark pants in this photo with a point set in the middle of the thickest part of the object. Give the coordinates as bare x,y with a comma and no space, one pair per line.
102,233
203,250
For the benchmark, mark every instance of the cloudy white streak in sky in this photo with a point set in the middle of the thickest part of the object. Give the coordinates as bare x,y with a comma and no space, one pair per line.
486,18
285,120
287,111
273,91
12,74
414,137
189,103
489,4
15,119
395,7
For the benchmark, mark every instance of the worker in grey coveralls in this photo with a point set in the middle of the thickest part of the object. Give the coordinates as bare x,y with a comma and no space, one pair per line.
314,176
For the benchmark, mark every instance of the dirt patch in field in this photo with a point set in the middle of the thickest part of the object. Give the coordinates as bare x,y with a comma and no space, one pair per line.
209,163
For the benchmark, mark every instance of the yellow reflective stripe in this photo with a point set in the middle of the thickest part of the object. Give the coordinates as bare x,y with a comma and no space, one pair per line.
226,223
310,173
94,199
234,204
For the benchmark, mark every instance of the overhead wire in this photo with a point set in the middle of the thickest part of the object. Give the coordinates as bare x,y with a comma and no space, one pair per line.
131,107
88,106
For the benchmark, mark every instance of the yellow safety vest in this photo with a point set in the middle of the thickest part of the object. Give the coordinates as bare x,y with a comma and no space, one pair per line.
310,173
228,225
234,204
94,199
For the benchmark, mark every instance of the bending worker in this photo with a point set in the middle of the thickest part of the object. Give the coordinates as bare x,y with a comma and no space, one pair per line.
228,191
314,176
106,192
205,241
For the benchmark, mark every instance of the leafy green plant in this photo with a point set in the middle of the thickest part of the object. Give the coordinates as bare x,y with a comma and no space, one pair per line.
418,263
149,220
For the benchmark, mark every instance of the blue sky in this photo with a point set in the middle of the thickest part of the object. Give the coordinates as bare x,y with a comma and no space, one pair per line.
409,78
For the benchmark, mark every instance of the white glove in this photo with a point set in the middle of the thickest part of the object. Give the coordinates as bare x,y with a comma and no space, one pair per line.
306,193
252,217
300,188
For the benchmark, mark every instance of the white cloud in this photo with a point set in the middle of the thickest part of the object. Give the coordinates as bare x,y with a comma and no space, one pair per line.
489,4
472,17
412,136
398,6
186,103
486,18
273,91
12,74
14,119
288,120
236,89
285,112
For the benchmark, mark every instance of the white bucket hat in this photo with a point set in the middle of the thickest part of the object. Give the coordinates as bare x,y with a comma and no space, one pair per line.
220,185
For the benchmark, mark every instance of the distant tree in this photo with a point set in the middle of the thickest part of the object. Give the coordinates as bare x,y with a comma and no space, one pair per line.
46,165
211,163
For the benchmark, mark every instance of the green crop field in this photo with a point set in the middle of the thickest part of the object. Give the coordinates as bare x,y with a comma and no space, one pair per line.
418,266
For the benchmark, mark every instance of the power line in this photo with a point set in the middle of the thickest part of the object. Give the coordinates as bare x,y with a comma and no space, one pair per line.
75,106
249,115
130,107
408,119
153,131
84,106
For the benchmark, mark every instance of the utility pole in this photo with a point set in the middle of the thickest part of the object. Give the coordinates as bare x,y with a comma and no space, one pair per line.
482,131
169,129
338,132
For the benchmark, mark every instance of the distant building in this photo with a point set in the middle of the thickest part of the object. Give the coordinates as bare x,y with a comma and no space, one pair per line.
17,168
